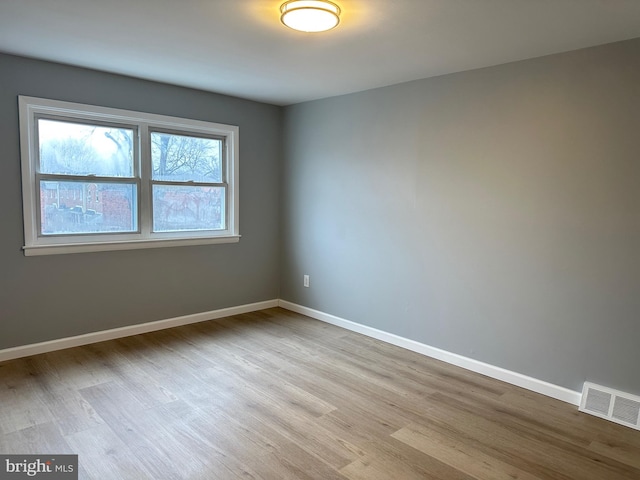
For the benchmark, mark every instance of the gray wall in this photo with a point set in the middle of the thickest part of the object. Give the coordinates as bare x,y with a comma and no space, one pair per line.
48,297
493,213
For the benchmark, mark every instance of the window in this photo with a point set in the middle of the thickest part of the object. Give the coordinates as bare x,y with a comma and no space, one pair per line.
97,178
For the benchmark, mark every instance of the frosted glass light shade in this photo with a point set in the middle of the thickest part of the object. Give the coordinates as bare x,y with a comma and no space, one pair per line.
310,15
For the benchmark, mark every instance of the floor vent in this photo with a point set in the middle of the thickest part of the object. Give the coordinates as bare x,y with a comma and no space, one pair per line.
603,402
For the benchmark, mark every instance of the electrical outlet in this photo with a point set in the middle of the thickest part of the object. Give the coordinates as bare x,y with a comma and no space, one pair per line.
305,281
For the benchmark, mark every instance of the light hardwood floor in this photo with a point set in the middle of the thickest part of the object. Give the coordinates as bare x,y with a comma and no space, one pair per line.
276,395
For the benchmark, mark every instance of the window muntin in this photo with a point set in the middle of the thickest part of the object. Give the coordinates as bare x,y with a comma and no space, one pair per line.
96,178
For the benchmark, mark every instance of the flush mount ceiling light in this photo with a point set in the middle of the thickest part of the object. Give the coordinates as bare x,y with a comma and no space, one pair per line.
310,15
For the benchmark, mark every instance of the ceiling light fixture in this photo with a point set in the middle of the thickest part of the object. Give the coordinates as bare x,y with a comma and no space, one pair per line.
310,15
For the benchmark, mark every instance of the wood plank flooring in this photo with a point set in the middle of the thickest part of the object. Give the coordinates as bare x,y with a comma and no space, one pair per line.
276,395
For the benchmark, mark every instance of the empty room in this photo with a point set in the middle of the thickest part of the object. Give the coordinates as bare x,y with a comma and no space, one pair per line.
320,240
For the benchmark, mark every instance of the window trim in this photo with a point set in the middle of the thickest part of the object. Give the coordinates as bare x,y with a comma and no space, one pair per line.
32,108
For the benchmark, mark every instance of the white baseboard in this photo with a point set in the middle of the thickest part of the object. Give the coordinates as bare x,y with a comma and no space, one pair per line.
514,378
94,337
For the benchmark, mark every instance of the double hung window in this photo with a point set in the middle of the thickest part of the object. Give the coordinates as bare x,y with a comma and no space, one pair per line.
98,178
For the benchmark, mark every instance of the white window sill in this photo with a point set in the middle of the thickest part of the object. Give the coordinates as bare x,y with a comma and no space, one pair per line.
34,250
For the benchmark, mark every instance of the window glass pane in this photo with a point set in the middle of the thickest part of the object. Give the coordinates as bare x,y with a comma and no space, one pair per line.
178,208
79,207
80,149
183,158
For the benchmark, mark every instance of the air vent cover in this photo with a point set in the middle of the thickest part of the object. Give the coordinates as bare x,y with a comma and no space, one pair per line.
616,406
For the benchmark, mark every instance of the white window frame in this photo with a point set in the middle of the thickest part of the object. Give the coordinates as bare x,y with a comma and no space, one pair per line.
31,109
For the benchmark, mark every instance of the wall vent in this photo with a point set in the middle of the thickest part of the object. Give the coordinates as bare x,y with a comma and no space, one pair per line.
616,406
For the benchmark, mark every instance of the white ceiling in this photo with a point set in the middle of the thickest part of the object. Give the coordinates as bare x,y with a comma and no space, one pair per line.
239,47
